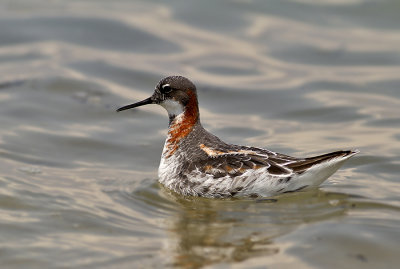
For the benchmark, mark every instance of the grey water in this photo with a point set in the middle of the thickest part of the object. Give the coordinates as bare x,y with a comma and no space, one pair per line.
78,181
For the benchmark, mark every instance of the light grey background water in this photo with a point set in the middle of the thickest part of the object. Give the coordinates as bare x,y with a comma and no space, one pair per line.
78,182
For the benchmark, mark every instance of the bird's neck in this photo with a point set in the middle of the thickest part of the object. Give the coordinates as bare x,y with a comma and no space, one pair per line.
182,125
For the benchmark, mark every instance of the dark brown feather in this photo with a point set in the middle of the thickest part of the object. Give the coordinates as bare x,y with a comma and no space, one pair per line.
236,164
301,166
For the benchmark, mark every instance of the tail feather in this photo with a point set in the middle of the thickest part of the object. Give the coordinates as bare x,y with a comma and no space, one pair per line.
311,172
303,165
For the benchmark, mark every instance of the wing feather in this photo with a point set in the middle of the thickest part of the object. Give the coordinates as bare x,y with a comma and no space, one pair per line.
236,164
302,165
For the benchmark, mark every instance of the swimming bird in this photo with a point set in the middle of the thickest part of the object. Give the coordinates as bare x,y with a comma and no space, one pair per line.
195,162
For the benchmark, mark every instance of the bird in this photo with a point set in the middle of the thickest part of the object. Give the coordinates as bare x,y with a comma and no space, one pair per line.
195,162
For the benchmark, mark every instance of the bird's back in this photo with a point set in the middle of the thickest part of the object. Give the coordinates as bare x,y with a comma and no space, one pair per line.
204,165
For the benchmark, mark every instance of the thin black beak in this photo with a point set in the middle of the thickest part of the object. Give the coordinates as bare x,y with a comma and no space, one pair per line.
141,103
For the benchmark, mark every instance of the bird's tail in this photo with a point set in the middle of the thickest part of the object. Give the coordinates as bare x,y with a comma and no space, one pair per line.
315,170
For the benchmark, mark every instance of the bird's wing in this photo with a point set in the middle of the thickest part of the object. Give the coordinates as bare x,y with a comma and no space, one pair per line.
301,165
236,164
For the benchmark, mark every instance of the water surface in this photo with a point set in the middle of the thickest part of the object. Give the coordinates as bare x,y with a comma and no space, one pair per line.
78,182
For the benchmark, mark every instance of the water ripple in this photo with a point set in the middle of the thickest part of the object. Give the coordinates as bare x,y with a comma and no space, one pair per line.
78,182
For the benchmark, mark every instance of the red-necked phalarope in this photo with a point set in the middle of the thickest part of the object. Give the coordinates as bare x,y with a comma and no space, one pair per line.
197,163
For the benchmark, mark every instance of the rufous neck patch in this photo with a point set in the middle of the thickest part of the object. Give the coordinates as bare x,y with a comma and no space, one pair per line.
182,125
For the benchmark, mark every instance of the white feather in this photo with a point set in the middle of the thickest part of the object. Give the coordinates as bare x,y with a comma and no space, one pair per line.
173,107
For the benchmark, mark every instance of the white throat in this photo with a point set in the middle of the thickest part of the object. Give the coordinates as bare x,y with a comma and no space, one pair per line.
174,108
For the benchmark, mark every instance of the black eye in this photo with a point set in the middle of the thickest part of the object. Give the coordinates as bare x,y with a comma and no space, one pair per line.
166,88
